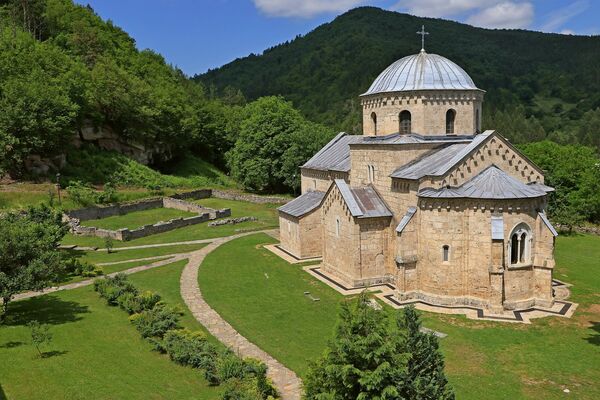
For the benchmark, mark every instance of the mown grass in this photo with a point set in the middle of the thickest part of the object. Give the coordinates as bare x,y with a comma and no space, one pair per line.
95,353
266,214
484,360
137,219
102,256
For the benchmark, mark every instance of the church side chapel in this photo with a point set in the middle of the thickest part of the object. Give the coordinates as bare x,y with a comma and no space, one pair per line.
424,201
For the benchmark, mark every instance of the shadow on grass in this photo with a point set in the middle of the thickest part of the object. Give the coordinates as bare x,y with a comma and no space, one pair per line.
11,345
2,394
595,337
48,309
54,353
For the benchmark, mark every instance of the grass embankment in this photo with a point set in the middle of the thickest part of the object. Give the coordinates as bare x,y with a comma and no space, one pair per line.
266,214
137,219
95,353
488,360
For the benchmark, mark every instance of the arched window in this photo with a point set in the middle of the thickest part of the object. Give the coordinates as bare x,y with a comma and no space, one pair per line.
445,252
405,118
520,245
371,173
450,117
477,122
374,121
337,227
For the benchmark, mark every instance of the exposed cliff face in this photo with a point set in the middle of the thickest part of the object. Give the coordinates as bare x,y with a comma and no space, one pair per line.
105,138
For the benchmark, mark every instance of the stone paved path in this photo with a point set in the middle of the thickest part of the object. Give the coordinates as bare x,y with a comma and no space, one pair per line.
285,380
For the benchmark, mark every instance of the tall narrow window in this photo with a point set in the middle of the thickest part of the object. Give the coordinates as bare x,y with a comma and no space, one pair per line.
374,121
477,123
450,117
371,173
315,184
337,227
520,245
446,252
405,121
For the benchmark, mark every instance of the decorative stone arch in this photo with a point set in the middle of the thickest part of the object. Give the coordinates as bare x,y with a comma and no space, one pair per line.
520,243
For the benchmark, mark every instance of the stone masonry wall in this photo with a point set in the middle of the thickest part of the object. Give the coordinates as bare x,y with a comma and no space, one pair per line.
428,112
303,236
319,180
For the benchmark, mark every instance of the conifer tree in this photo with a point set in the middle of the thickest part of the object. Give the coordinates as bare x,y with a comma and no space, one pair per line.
365,360
424,379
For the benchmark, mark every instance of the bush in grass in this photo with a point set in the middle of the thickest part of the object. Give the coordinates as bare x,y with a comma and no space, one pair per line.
249,376
190,348
82,268
81,193
156,322
111,288
136,303
242,389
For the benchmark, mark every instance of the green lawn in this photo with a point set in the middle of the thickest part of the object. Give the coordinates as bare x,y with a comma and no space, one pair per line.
266,214
96,353
137,219
101,256
485,360
262,296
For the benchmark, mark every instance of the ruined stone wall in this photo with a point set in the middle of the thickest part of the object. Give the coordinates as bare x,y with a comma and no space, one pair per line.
428,112
98,212
312,179
251,198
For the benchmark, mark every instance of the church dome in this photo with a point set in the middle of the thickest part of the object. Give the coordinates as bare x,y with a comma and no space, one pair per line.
421,71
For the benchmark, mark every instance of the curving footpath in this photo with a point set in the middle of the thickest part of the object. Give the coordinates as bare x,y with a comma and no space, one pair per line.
285,380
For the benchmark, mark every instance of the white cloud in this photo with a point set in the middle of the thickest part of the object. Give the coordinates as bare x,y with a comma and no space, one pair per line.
442,8
304,8
504,15
567,32
559,17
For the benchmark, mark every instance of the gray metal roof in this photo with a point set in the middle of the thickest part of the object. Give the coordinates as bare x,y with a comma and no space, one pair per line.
497,227
422,71
303,204
491,183
335,155
541,186
397,138
363,202
439,161
548,224
406,219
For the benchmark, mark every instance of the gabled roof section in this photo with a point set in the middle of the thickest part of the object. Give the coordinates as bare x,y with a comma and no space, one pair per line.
363,202
491,183
439,161
303,204
335,155
548,224
406,219
541,186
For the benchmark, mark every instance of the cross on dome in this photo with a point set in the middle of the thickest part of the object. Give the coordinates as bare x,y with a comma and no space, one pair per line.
422,33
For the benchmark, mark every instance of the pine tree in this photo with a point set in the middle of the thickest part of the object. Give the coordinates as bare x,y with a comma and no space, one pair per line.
425,379
365,360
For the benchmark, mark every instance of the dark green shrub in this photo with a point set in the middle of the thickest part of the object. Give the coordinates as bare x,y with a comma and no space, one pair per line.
136,303
111,288
81,193
230,366
242,389
108,195
156,322
190,348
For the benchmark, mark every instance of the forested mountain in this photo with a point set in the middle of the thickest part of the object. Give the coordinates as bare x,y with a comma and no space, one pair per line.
538,85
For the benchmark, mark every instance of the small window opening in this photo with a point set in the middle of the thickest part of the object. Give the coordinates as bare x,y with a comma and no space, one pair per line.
446,252
374,121
450,117
405,122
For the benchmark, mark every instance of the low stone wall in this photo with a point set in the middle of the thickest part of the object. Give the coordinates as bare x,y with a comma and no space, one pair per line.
99,212
232,221
252,198
177,204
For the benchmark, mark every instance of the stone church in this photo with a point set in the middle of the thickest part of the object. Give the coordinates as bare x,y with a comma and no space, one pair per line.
424,200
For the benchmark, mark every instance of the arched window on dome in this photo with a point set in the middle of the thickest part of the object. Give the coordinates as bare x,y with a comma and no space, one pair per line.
477,122
374,121
405,121
520,245
450,117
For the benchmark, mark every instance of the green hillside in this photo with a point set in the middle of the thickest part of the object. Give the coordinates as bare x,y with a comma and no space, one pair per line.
554,79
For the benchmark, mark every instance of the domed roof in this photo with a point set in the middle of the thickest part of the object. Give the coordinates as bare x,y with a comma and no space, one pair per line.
422,71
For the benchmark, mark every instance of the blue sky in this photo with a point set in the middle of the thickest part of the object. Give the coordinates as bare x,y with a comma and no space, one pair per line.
196,35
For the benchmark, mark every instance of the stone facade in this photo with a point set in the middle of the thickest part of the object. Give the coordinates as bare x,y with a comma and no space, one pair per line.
427,109
490,252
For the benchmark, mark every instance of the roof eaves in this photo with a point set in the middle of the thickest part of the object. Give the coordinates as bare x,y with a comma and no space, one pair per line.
406,219
548,224
348,198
